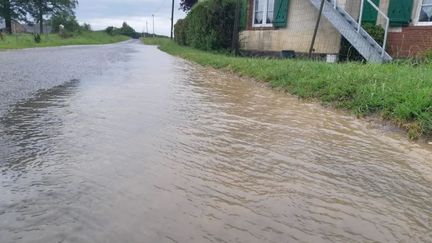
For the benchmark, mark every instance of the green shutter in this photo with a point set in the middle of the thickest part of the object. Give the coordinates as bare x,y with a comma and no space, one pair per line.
244,15
280,13
370,14
400,12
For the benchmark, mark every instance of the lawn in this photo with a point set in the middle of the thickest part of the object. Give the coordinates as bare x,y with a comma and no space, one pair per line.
20,41
400,92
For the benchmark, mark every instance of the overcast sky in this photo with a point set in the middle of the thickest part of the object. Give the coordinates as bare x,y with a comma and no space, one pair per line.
103,13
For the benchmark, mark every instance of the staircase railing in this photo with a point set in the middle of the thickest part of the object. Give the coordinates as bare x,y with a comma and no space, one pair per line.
387,25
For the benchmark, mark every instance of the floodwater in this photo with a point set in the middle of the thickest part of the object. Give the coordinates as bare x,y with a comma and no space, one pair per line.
151,148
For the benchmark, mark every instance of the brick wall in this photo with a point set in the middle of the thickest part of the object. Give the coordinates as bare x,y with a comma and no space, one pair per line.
410,41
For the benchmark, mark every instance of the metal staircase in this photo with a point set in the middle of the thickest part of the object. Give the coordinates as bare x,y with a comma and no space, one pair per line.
351,29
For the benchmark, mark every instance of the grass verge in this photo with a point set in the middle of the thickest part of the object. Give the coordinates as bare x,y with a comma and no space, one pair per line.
399,92
20,41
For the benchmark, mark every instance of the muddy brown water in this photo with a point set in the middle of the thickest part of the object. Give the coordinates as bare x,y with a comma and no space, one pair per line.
155,149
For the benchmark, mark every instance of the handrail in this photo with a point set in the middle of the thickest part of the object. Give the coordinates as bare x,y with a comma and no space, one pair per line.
335,4
386,27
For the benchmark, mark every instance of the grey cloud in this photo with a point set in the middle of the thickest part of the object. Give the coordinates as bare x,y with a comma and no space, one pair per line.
96,12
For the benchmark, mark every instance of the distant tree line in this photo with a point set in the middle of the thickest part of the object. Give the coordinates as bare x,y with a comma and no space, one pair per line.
126,30
36,11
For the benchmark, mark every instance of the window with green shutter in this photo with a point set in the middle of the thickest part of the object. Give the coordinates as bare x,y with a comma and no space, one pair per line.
280,13
370,14
400,12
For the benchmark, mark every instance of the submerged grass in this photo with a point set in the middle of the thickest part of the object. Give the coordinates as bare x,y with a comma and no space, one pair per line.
399,92
85,38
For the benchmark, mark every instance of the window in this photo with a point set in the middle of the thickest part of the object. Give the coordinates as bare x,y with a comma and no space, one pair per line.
425,14
263,13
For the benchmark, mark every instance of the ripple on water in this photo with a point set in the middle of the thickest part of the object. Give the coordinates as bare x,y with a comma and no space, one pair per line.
159,150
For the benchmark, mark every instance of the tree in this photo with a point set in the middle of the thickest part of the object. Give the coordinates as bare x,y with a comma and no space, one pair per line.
110,30
127,30
86,27
40,8
66,19
124,30
186,5
10,9
6,13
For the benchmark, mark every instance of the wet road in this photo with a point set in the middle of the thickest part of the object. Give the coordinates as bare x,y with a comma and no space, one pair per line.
125,143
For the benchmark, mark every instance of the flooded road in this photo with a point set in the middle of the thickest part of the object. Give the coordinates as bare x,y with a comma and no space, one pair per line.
151,148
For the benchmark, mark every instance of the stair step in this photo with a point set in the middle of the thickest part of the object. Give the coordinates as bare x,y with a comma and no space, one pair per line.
347,26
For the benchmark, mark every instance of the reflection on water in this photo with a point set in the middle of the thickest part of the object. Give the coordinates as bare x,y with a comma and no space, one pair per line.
159,150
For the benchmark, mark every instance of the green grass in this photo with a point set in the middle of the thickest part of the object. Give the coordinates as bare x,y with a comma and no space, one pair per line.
20,41
399,92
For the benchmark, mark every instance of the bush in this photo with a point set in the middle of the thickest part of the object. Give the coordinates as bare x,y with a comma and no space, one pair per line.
37,38
110,30
86,27
208,26
180,35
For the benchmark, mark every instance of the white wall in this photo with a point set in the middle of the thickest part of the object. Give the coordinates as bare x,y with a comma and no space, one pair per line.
297,35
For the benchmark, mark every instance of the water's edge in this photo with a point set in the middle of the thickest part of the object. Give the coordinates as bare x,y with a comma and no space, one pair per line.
375,120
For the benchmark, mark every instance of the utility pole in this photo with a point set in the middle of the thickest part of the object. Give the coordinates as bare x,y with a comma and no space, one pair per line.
146,28
153,26
172,19
316,28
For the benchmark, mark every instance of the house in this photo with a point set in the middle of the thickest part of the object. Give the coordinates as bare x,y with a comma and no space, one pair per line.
16,26
276,25
34,28
26,28
2,24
